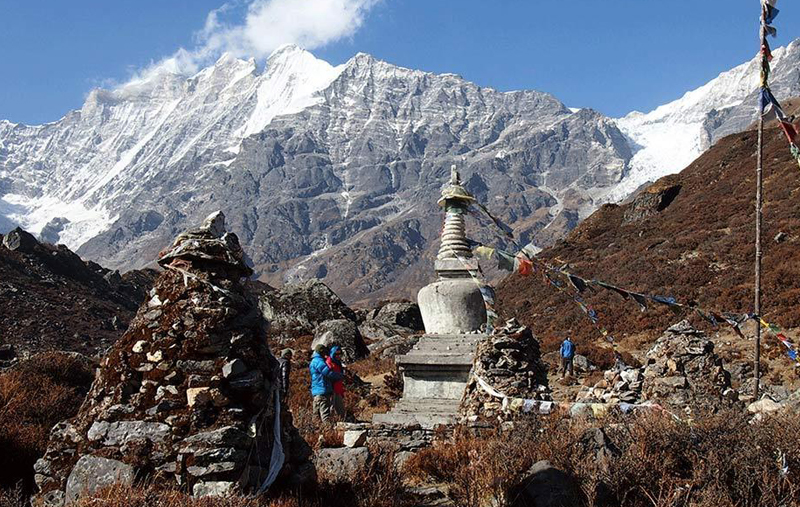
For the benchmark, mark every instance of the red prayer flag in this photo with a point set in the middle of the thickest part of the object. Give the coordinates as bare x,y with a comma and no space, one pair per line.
766,51
789,130
525,266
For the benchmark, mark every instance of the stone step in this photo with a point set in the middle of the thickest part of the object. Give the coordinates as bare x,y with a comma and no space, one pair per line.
428,405
453,342
427,421
456,360
444,348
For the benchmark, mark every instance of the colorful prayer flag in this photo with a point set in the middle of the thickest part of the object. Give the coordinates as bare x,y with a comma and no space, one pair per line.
789,130
577,282
771,14
484,252
768,103
505,261
523,266
625,294
766,51
639,299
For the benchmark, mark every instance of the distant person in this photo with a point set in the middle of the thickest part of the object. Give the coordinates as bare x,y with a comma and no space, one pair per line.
285,370
567,357
334,362
322,378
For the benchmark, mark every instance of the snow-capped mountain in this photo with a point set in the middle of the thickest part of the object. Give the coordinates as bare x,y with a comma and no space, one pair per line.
670,137
336,170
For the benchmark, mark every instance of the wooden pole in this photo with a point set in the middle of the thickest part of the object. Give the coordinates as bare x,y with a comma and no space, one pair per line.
759,187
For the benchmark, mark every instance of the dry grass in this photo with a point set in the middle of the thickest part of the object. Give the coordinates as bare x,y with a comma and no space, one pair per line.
34,396
720,460
378,486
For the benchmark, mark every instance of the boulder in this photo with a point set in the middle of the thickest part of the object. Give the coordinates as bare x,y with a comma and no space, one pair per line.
123,432
298,309
582,364
91,473
401,314
341,465
764,406
345,334
546,486
20,241
355,438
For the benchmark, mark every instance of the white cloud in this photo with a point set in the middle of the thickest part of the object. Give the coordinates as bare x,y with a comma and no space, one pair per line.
266,25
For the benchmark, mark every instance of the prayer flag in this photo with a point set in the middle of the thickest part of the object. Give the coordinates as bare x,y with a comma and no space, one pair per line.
484,252
766,51
664,300
708,317
505,261
640,299
768,103
625,294
578,283
771,31
789,130
523,266
771,14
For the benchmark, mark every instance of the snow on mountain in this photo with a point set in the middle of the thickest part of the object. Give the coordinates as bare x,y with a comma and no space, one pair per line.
73,168
670,137
326,169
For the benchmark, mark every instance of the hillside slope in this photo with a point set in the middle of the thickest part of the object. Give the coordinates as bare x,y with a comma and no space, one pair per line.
690,236
50,299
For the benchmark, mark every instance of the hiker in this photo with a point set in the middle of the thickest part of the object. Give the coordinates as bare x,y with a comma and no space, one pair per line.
322,378
285,369
335,364
567,357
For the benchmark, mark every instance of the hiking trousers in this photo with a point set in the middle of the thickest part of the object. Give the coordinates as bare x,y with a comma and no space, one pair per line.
322,406
338,406
566,365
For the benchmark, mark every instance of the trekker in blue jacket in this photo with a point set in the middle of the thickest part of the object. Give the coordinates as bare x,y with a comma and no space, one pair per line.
322,378
567,356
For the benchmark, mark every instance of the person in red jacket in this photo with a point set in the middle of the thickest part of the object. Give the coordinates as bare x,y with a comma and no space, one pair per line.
334,362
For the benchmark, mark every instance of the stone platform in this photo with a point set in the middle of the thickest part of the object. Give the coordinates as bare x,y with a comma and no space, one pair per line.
435,374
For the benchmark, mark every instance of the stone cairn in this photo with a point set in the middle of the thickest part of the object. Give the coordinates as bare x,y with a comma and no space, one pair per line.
682,371
509,361
187,396
621,384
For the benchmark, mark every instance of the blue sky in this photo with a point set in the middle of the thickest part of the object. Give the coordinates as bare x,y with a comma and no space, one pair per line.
611,55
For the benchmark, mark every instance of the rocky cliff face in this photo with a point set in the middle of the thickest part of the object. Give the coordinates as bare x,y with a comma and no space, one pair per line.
187,396
336,169
323,169
50,299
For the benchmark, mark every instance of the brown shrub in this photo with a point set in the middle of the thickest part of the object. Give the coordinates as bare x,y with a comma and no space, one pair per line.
715,460
378,486
34,396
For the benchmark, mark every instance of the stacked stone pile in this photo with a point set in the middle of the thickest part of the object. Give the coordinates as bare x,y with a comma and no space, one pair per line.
509,362
683,370
619,385
187,396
